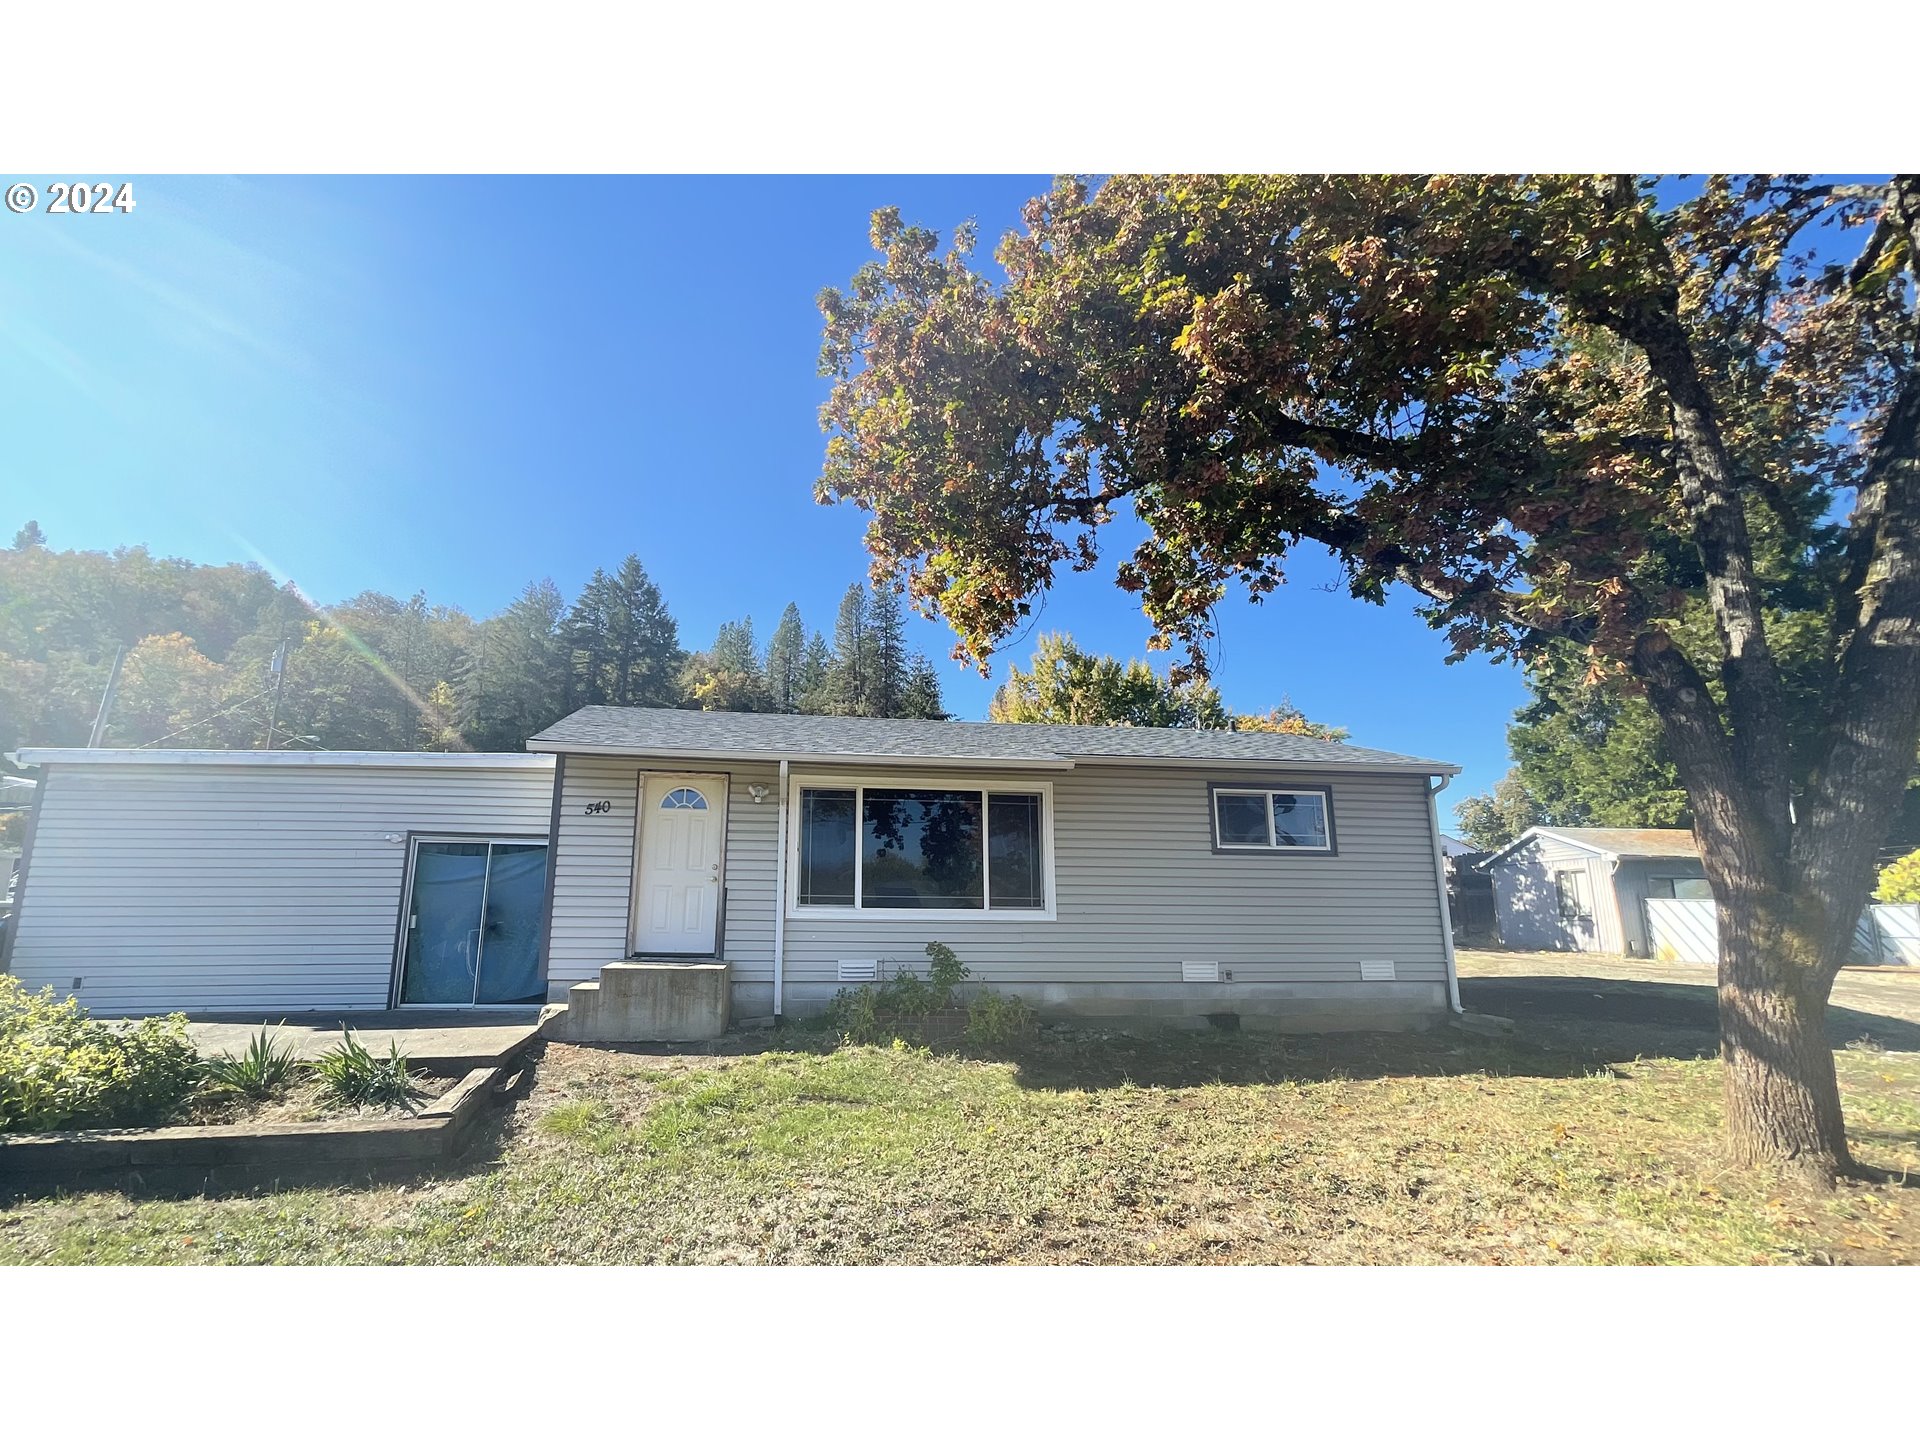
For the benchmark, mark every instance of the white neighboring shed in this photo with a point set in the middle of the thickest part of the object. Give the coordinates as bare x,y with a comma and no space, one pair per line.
1585,888
246,880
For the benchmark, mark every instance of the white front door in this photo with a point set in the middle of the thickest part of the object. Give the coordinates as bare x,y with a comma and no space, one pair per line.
682,837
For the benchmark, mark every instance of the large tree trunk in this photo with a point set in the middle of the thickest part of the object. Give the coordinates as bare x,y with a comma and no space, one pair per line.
1782,1095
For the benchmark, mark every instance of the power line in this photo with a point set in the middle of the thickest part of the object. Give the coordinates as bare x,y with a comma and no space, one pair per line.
251,699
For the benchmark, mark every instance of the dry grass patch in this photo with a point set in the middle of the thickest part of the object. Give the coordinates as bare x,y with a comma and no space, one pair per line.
1083,1148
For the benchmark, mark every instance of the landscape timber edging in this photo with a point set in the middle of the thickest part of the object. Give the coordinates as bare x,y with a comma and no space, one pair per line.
193,1158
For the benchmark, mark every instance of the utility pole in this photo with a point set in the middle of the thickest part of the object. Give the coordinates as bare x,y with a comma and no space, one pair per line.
106,699
279,666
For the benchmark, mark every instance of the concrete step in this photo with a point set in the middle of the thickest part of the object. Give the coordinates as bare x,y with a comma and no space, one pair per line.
650,1000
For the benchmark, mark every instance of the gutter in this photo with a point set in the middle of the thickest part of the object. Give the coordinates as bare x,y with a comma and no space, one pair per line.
1440,880
780,900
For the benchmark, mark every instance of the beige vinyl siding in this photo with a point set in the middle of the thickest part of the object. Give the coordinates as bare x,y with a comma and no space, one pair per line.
593,871
215,887
1139,889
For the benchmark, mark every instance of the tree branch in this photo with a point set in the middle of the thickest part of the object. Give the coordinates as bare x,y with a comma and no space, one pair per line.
1709,487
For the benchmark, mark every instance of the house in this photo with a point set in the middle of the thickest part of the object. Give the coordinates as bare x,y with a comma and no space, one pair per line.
1093,871
1582,888
220,881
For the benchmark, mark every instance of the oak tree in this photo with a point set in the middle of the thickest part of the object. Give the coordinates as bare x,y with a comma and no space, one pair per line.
1552,406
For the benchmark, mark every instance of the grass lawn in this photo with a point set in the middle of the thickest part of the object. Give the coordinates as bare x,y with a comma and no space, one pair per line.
1593,1143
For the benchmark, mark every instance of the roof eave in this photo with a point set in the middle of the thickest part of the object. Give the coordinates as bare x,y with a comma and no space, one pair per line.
979,762
391,759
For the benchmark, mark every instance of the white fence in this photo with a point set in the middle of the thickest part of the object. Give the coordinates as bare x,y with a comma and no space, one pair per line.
1686,932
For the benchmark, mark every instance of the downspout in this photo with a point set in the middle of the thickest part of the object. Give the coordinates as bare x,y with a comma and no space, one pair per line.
1440,879
780,900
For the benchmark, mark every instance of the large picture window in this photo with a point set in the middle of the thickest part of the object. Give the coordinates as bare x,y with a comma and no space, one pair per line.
1258,818
919,847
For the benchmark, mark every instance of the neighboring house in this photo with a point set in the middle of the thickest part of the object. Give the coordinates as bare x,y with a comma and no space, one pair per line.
1580,888
1095,871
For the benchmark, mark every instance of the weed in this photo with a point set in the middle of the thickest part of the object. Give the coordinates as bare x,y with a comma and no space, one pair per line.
352,1076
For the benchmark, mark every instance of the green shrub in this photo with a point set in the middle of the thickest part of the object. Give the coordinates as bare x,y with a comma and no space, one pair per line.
996,1019
854,1015
945,971
872,1012
257,1072
352,1075
60,1070
1900,881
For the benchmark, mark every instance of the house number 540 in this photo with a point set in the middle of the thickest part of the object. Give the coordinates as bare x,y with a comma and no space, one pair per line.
600,807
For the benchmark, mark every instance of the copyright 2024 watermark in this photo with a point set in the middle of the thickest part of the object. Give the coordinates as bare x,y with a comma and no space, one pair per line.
73,197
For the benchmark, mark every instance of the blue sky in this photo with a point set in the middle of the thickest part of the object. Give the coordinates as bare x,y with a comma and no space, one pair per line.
460,385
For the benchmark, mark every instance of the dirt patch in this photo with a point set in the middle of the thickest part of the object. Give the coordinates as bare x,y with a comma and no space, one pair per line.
304,1102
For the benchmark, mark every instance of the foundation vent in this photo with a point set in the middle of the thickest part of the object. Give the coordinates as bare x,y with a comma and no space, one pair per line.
1377,970
1201,970
859,970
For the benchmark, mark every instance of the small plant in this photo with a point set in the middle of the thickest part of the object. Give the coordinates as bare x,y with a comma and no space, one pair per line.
871,1012
352,1075
854,1015
256,1073
944,971
997,1019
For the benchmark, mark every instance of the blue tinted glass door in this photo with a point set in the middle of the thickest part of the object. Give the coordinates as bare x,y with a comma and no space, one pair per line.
510,929
443,923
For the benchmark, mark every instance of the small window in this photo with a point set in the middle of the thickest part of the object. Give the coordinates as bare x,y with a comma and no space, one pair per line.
1570,887
684,799
1248,819
1679,887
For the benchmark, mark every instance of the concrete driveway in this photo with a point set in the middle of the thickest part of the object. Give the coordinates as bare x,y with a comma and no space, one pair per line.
1880,1004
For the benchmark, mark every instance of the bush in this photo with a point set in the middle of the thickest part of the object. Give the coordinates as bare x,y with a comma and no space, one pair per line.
352,1075
1900,881
996,1019
60,1070
908,1001
257,1072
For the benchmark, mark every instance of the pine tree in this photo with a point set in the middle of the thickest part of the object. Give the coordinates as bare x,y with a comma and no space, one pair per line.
623,641
728,676
786,661
734,648
847,689
921,699
887,646
513,684
30,537
586,640
815,666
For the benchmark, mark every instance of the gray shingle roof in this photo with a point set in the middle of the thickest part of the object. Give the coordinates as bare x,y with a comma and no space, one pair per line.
1625,843
723,734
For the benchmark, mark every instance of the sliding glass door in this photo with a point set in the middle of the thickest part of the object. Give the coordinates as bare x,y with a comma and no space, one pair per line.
472,932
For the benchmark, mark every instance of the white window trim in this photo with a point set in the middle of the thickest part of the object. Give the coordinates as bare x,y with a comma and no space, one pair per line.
1321,793
858,783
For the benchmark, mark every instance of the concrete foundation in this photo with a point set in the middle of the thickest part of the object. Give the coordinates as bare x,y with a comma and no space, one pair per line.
1299,1008
652,1000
